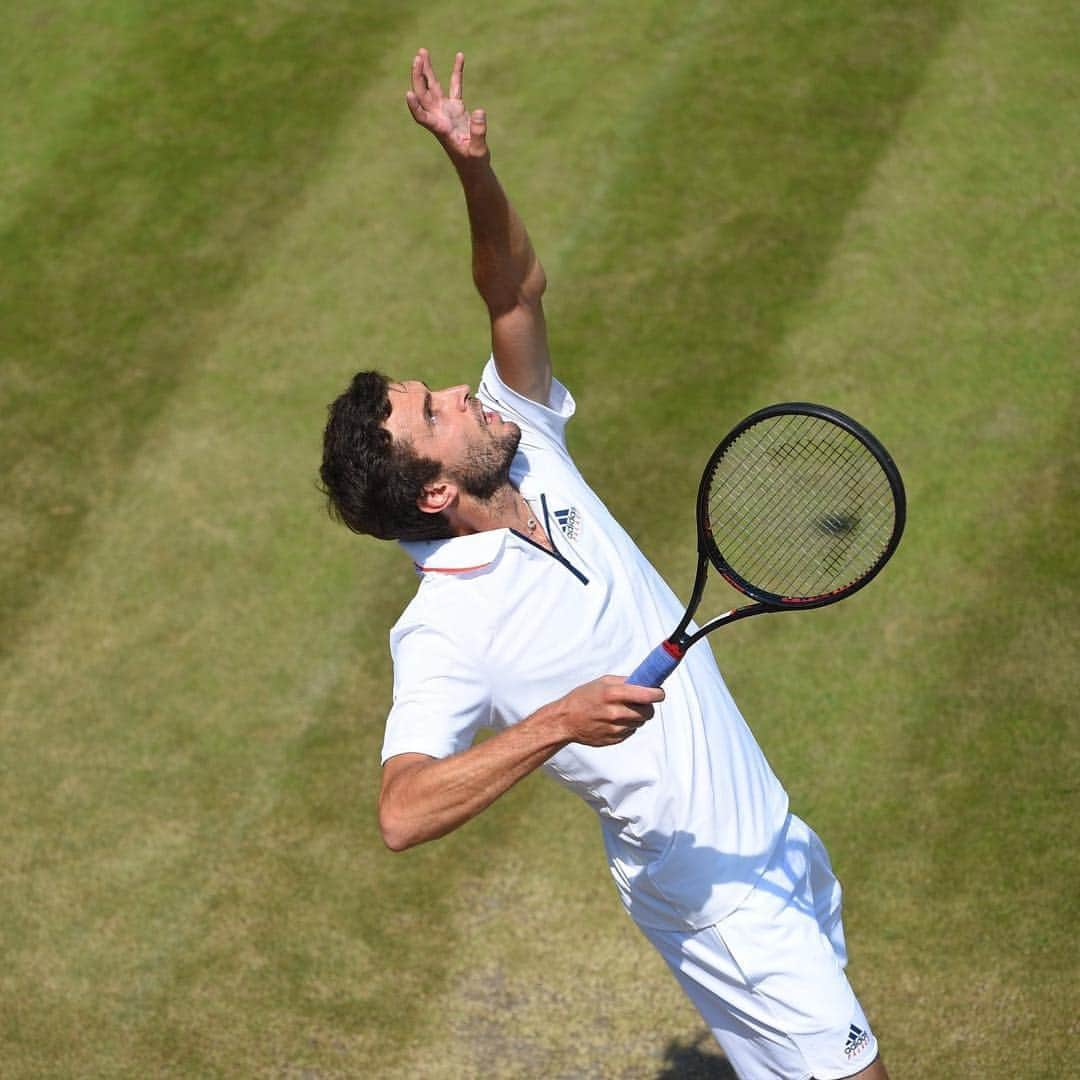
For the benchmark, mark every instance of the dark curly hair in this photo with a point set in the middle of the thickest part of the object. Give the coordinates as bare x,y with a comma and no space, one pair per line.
370,482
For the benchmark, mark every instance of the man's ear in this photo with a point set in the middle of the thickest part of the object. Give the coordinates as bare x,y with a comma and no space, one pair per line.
437,496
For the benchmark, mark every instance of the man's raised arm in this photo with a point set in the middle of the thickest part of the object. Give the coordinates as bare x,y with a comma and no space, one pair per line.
505,268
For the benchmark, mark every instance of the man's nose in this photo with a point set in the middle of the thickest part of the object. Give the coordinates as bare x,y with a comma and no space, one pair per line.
459,395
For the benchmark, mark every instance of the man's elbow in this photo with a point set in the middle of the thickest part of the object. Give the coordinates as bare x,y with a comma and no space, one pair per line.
401,818
535,284
502,293
396,836
397,842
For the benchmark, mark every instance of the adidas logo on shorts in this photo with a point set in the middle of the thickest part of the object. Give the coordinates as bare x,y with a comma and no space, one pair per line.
856,1041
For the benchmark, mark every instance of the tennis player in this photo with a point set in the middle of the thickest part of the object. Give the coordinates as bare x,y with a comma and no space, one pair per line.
529,592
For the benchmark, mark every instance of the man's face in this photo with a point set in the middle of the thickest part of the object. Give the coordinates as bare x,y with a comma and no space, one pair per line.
474,446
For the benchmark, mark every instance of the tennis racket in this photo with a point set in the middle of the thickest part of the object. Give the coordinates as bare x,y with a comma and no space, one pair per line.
798,507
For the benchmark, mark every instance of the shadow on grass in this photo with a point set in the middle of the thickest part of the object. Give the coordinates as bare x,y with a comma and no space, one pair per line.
689,1061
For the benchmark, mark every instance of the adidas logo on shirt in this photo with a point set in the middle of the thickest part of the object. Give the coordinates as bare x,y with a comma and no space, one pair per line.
569,521
856,1041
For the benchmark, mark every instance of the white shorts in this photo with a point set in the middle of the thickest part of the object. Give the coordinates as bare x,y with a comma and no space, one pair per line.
769,978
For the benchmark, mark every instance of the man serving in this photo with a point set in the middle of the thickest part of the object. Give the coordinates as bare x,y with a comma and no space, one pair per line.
530,591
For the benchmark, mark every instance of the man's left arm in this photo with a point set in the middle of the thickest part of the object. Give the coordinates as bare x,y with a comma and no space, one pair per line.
506,270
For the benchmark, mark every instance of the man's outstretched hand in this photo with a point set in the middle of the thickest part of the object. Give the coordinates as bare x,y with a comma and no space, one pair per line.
462,134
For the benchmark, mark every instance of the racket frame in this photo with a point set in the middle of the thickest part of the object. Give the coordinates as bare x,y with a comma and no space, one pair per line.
709,554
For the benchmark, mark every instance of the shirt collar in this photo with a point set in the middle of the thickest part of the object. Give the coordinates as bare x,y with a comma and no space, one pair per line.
458,554
528,487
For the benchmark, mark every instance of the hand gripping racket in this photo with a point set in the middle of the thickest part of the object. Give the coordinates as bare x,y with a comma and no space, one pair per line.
798,507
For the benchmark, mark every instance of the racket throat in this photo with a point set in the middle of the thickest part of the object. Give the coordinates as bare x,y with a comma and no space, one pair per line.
674,649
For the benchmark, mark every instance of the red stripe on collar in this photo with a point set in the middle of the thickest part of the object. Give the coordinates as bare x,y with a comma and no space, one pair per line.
449,569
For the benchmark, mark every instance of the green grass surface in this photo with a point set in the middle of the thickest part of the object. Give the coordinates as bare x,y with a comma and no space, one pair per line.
214,215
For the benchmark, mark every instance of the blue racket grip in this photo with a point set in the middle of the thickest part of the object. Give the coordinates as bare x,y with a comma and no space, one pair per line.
655,668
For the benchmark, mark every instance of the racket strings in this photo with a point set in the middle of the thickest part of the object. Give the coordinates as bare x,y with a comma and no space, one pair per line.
794,562
771,498
751,487
842,554
799,507
812,554
841,564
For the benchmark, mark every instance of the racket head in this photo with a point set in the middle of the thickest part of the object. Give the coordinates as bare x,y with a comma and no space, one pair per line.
800,506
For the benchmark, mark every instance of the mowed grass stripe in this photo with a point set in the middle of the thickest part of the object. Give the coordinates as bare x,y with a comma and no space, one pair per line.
249,934
160,194
948,312
729,200
140,739
50,61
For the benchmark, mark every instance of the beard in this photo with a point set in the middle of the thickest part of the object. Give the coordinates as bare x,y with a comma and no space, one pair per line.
486,468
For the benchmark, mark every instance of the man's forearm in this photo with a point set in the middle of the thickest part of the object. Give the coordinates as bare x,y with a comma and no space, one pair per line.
506,270
425,798
505,267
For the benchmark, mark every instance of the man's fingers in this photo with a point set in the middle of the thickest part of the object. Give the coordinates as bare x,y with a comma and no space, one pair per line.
621,690
630,712
428,73
455,76
415,107
478,130
638,700
628,727
419,84
609,710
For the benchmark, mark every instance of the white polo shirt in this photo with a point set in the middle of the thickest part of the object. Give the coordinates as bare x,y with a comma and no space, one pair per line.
500,626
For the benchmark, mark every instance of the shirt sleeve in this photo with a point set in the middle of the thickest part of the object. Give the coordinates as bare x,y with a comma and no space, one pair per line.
441,700
548,421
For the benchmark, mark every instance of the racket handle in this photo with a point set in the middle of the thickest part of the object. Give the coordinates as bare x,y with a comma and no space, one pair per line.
657,666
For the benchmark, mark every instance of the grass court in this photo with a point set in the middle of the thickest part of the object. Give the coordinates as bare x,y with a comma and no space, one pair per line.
213,214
